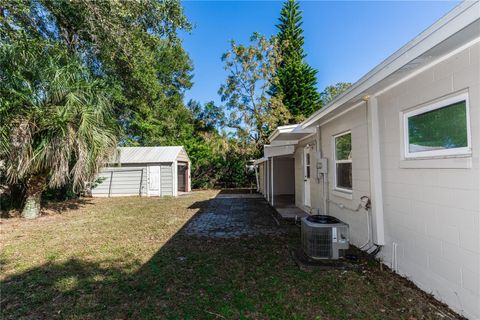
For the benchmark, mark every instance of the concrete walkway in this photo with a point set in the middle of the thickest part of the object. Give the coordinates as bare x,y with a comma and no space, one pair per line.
234,216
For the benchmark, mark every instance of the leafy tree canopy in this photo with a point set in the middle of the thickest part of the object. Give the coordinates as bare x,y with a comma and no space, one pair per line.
133,44
253,113
332,91
56,122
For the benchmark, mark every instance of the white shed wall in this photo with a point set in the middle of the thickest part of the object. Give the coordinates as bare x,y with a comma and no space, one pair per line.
128,180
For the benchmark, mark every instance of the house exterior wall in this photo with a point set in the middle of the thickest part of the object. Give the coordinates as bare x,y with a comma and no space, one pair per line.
354,121
431,209
284,176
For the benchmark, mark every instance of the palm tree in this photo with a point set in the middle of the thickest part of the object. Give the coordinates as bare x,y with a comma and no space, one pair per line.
56,125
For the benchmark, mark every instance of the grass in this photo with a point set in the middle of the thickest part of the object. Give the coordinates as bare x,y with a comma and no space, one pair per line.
124,258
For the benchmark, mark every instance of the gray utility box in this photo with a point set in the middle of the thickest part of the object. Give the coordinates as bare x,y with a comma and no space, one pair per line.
324,237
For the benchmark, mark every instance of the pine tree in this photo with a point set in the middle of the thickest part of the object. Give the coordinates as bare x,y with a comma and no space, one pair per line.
296,79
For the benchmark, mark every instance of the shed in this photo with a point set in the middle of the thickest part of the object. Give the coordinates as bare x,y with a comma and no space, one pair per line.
145,171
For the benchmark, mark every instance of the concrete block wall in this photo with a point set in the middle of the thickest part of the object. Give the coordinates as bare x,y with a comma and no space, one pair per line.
431,206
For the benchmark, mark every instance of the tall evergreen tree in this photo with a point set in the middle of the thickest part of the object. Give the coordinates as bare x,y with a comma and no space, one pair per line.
296,79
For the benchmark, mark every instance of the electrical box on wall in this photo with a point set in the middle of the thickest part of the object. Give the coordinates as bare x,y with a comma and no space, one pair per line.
322,166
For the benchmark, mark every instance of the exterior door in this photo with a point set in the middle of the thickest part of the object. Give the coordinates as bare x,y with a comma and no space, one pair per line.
154,180
182,176
306,177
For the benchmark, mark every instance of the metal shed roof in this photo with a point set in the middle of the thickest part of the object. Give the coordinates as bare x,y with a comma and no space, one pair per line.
147,154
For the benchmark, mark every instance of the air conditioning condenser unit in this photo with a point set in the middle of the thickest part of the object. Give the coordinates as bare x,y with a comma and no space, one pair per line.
324,237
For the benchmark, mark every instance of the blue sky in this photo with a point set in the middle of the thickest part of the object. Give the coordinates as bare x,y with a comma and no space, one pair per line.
343,39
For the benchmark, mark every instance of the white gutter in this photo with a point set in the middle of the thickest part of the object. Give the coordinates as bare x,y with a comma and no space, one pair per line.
460,17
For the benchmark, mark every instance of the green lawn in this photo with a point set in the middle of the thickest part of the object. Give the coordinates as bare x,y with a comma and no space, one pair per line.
123,258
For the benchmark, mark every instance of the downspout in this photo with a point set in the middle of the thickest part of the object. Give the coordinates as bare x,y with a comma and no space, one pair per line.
324,175
375,167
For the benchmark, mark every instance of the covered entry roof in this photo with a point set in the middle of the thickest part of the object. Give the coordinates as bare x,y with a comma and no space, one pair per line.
290,132
147,154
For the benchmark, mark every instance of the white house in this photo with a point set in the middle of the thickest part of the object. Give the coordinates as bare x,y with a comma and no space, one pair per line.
406,135
145,171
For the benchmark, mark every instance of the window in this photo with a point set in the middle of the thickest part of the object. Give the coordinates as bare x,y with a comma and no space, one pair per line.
439,129
307,165
343,161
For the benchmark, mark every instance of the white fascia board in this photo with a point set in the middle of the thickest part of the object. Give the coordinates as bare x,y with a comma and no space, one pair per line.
283,143
300,129
276,151
460,17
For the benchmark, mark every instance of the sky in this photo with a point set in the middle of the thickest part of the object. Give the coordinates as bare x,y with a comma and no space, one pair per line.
343,39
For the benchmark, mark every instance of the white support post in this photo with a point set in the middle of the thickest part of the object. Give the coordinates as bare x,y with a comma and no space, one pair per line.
375,171
273,194
267,179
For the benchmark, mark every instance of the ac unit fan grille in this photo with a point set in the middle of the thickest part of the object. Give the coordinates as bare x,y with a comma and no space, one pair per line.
319,243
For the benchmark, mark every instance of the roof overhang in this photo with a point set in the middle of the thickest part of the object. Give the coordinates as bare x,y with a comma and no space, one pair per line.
292,132
457,28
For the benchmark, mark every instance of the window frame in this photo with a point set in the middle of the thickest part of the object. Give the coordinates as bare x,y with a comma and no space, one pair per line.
335,161
442,103
308,164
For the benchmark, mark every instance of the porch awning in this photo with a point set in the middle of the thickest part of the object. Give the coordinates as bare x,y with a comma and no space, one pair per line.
276,151
290,133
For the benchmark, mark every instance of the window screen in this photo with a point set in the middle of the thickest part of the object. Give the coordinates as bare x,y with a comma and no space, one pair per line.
438,129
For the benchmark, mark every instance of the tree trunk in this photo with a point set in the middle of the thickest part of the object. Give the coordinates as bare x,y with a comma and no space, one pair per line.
35,187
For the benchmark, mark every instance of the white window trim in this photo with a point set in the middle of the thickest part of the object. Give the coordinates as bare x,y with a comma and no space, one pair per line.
463,151
335,161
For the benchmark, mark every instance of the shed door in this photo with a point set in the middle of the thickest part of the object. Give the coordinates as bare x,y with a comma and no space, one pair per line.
182,176
126,183
154,180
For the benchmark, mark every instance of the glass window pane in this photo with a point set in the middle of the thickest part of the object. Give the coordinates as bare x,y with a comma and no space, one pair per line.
308,159
343,147
344,175
308,172
444,128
